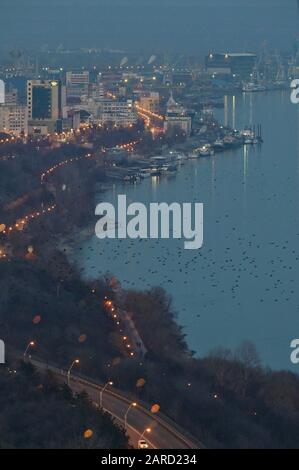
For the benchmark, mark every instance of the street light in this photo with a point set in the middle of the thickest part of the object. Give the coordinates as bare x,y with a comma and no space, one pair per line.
146,431
102,392
30,345
76,361
132,405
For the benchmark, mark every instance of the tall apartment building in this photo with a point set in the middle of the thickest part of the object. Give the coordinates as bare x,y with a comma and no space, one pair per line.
8,96
11,97
2,92
97,91
120,112
150,101
46,101
77,84
14,119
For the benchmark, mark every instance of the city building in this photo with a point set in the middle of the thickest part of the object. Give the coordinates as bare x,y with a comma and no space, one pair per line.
46,103
97,91
14,119
72,121
239,64
150,101
11,97
119,112
177,117
2,92
77,84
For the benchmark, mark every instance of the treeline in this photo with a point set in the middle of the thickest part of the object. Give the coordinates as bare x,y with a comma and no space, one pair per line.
226,400
43,300
39,413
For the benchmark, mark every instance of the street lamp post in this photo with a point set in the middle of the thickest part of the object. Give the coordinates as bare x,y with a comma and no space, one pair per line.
102,392
146,431
132,405
76,361
30,345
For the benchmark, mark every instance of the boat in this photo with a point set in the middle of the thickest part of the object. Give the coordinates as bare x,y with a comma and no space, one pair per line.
218,145
155,171
131,179
194,155
206,151
181,158
248,136
252,87
169,169
231,142
145,174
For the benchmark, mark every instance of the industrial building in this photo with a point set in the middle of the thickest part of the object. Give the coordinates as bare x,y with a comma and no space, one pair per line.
238,64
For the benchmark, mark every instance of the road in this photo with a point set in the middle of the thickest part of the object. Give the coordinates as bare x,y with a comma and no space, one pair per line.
164,435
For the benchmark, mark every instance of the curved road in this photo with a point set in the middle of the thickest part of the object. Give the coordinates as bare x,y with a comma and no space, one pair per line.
165,434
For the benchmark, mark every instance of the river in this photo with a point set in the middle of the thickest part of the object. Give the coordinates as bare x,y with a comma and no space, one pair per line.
242,285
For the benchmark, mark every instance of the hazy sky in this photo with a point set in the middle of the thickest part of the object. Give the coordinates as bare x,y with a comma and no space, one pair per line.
173,25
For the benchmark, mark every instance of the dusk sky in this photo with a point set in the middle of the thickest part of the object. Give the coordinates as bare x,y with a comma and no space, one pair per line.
173,25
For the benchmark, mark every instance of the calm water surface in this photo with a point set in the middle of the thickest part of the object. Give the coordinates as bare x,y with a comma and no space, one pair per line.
243,284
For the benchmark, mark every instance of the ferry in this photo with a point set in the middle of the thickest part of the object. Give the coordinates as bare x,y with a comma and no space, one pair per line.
169,169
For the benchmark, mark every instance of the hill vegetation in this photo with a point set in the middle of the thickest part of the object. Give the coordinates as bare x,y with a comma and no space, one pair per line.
38,413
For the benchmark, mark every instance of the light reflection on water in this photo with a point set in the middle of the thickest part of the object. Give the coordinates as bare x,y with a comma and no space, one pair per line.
243,283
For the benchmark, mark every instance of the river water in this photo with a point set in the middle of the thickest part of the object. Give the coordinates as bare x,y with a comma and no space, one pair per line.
243,283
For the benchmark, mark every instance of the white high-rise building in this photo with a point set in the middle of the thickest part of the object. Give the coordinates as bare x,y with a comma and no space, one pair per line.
14,119
98,91
2,92
120,112
77,84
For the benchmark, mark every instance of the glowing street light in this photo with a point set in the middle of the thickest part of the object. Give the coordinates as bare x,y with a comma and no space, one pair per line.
103,390
30,345
132,405
75,362
146,431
